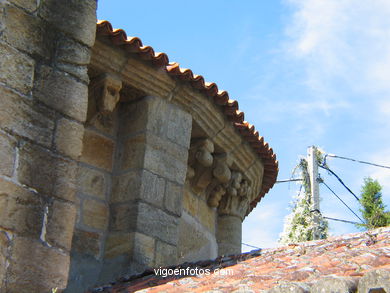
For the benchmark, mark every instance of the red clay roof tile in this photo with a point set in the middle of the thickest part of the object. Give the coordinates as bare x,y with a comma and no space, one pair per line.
230,107
351,255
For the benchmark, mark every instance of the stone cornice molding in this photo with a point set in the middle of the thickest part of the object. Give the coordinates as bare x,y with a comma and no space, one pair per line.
218,116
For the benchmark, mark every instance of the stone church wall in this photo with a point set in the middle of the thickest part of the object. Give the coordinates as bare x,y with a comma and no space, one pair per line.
108,164
45,48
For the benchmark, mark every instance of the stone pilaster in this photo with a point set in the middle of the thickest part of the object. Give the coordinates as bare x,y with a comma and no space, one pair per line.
148,184
45,49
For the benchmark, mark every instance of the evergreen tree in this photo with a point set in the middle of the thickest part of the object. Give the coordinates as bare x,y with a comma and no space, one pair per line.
372,207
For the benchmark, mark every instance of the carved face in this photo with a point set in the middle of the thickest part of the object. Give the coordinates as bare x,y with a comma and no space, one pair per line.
110,97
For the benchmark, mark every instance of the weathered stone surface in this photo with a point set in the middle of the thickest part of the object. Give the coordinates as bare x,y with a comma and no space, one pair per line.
69,138
46,173
166,254
229,235
30,5
132,153
126,186
149,114
145,219
144,249
335,284
83,273
190,202
69,51
4,245
156,223
91,182
76,18
158,117
166,159
20,210
160,156
97,150
133,117
207,216
17,69
95,214
287,287
25,117
118,243
27,32
179,126
7,154
79,71
152,188
376,279
123,217
173,198
35,267
85,242
138,184
153,119
70,97
60,224
193,244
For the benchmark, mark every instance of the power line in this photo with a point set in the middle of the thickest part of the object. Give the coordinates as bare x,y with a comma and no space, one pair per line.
289,180
342,201
358,161
250,245
341,181
339,220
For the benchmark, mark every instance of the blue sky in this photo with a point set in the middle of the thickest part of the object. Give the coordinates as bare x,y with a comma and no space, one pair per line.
305,72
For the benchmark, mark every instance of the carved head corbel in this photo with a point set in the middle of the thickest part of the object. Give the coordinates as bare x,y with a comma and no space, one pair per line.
110,87
106,92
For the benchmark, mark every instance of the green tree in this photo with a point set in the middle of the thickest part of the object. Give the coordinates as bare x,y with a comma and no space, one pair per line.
372,207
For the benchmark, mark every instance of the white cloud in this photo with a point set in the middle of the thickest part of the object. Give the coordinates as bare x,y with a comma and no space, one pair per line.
344,43
259,228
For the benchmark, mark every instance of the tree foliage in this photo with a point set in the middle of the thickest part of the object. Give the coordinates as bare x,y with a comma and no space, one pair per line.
372,207
299,223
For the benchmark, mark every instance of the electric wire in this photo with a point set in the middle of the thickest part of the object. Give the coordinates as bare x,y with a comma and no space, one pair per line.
342,201
250,245
340,220
341,181
289,180
354,160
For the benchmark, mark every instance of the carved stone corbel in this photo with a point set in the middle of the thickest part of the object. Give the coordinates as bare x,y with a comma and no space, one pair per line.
237,198
105,92
221,176
210,175
200,161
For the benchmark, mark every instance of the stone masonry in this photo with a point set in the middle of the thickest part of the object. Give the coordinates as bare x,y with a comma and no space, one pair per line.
112,159
45,49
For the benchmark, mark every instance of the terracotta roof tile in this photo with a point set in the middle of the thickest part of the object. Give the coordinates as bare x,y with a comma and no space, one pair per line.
230,107
351,255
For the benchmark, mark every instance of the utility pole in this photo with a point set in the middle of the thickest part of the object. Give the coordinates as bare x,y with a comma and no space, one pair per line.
315,190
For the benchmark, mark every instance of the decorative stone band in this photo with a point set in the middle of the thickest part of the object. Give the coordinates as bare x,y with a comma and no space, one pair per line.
211,176
229,107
